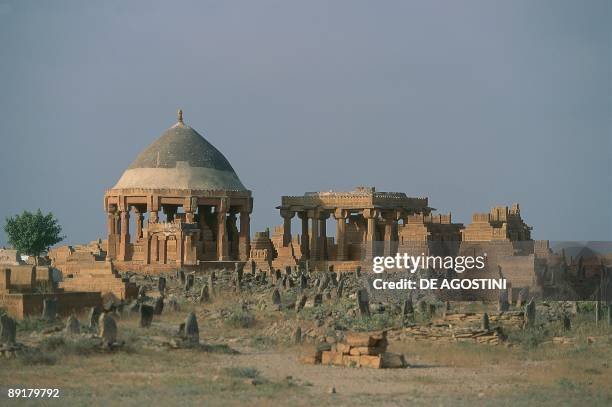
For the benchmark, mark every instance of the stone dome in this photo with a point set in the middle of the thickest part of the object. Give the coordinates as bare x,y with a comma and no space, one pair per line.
181,159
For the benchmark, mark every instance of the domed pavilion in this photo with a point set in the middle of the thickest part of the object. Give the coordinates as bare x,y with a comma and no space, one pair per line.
200,197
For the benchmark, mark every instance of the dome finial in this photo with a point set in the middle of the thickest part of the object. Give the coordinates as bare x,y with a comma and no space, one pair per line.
180,116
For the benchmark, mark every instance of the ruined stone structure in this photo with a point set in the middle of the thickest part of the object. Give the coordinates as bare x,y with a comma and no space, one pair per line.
363,216
200,195
23,289
86,270
500,224
262,251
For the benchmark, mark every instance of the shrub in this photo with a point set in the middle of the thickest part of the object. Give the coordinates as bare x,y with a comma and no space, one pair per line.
240,319
35,356
242,372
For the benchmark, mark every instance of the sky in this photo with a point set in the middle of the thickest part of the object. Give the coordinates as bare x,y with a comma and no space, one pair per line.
470,103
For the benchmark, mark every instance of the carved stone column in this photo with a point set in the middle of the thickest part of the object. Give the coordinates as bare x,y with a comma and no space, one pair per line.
323,235
222,244
139,219
371,215
112,226
147,250
341,250
163,250
313,215
287,216
245,235
304,243
154,248
125,235
179,249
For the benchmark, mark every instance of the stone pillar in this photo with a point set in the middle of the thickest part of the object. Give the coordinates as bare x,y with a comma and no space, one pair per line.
222,245
154,249
287,216
189,257
390,237
323,235
304,244
147,250
112,226
313,215
179,249
139,219
110,223
244,246
125,235
341,251
370,215
163,250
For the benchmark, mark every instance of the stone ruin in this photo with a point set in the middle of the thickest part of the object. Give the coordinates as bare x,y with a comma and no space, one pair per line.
24,290
358,349
84,270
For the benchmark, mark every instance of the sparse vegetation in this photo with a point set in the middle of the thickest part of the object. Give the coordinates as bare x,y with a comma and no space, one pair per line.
240,319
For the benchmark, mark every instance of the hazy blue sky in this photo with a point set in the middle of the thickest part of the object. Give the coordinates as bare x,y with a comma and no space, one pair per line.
471,103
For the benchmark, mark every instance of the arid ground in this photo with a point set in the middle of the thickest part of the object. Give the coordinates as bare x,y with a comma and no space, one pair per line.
249,358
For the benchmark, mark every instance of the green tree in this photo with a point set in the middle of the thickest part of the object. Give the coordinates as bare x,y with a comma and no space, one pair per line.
33,233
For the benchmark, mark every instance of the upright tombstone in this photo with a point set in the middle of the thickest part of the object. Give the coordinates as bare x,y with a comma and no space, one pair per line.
297,336
204,293
277,276
284,283
598,312
93,317
485,322
181,274
107,329
324,283
432,310
239,271
340,289
211,284
567,323
161,286
159,306
318,299
520,298
146,315
8,330
301,303
407,308
502,301
73,326
276,298
49,312
363,301
189,282
253,267
530,313
192,331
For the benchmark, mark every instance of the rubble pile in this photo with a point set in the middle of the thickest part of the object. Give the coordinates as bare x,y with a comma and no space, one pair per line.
358,349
